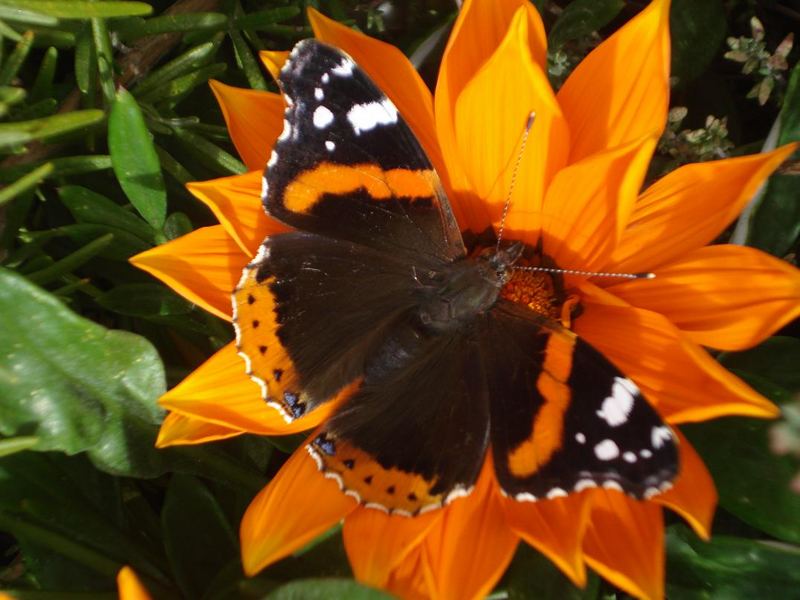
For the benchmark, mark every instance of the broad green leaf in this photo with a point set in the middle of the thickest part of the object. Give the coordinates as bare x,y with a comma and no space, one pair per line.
697,28
775,225
177,224
81,9
144,300
753,483
532,575
777,360
135,161
87,206
729,568
580,18
74,384
49,128
324,589
196,553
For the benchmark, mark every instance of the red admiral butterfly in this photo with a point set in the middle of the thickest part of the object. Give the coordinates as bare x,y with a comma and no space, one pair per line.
374,302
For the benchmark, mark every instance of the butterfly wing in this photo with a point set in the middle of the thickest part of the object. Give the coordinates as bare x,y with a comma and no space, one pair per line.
347,165
564,419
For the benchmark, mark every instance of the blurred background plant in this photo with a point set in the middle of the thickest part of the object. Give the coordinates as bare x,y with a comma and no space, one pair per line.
105,114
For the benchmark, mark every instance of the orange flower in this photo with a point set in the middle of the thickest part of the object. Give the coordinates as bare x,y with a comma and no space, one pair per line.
578,189
129,587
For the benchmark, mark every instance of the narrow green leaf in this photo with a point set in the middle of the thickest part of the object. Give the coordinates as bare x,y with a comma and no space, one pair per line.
82,9
49,128
132,29
188,61
7,32
697,30
17,444
104,58
144,300
177,224
85,61
173,167
123,246
532,575
247,62
43,84
261,18
87,206
12,64
135,161
179,87
68,165
188,503
211,154
71,262
76,385
325,588
25,183
20,15
50,36
582,17
775,225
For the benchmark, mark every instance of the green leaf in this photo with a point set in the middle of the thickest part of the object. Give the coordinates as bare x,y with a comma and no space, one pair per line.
697,30
248,63
132,29
42,87
74,384
81,9
17,444
261,18
25,183
775,225
135,161
85,61
582,17
729,568
87,206
68,165
776,360
49,128
532,575
177,224
179,87
19,15
120,247
324,589
69,263
210,154
12,64
196,553
144,300
185,63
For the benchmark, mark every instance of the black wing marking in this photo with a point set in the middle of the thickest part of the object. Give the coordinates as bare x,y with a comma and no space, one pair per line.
348,166
564,418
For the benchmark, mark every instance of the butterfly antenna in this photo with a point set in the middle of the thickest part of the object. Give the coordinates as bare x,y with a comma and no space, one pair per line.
587,273
507,205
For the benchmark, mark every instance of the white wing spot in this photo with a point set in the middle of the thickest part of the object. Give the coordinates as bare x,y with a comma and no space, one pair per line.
344,68
556,493
645,453
325,78
580,438
322,117
629,457
330,145
318,93
364,117
659,435
606,450
618,405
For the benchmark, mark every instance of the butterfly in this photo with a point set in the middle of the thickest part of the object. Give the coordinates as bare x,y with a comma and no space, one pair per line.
373,301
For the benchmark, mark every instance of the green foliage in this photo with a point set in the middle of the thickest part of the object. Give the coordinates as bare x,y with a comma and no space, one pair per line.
105,114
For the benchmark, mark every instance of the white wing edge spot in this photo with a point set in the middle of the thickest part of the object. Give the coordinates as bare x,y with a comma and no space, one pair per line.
368,116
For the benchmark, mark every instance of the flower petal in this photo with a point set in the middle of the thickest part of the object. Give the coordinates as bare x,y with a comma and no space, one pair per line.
620,92
693,495
490,117
179,430
129,587
476,35
624,543
377,542
295,507
470,546
689,207
202,266
555,528
254,119
392,72
680,378
587,202
727,297
273,61
219,391
236,202
409,580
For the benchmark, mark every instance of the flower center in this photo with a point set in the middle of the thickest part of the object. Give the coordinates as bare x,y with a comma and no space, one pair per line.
534,290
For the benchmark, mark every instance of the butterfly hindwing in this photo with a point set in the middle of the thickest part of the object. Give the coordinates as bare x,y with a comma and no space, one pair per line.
564,418
348,166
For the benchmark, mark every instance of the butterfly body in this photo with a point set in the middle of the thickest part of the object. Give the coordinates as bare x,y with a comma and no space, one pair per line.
373,302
